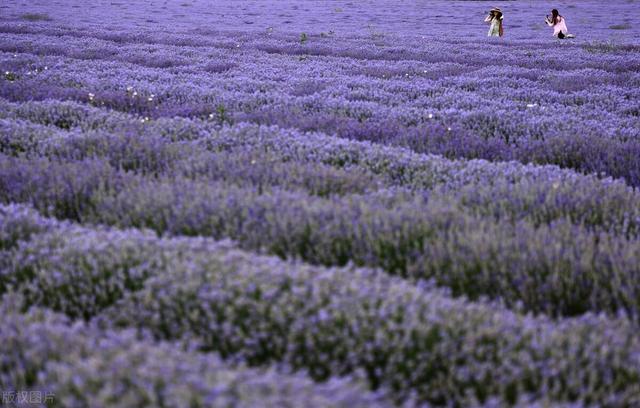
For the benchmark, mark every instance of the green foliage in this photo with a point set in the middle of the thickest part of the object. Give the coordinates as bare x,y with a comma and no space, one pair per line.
35,17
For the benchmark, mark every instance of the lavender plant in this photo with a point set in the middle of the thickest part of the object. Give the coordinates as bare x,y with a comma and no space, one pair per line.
78,365
414,341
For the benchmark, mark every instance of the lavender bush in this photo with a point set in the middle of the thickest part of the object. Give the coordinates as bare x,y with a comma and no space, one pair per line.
525,107
285,203
502,189
257,310
409,235
413,341
78,365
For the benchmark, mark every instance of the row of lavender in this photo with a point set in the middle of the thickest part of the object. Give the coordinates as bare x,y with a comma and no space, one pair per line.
57,362
526,105
413,343
70,131
479,228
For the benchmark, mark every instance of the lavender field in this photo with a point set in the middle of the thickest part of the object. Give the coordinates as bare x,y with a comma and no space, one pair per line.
288,203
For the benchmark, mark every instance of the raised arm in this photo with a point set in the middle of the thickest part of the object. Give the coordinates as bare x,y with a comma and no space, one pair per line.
548,21
488,19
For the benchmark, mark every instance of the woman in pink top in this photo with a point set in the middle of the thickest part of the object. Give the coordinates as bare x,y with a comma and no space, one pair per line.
559,26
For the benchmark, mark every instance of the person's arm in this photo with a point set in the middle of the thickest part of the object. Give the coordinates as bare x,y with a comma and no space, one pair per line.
488,19
548,21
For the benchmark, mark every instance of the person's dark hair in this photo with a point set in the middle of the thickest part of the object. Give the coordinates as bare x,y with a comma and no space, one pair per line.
555,16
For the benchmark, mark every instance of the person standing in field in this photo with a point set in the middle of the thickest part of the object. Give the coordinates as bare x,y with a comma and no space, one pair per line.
559,25
494,19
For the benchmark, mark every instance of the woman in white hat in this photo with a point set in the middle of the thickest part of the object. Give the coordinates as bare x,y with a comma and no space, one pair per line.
495,18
